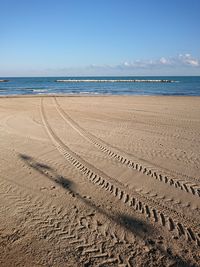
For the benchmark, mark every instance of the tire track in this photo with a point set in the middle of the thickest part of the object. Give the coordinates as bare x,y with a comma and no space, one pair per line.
167,122
168,153
76,230
167,217
112,152
155,123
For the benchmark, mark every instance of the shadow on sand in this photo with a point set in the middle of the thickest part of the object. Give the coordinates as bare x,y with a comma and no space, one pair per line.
130,224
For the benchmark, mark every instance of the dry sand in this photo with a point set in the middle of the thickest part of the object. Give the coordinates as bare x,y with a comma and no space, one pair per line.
99,181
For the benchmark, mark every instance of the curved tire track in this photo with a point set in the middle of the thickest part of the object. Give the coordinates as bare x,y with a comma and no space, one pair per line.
116,154
143,204
78,230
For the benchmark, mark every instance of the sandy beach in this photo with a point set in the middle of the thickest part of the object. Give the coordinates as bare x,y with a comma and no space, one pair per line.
99,181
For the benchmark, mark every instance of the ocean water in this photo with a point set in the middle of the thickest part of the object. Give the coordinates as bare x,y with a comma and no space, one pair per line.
187,85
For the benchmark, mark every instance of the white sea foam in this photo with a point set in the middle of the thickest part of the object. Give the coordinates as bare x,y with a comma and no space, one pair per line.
40,90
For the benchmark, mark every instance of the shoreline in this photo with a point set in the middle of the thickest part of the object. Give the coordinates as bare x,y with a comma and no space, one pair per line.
94,95
184,86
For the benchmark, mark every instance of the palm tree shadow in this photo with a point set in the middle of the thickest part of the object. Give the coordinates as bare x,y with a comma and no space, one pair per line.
124,220
132,225
48,172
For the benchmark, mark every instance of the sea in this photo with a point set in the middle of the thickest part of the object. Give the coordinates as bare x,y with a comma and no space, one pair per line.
131,85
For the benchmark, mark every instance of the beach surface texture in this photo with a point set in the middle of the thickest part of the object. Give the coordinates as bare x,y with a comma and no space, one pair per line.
99,181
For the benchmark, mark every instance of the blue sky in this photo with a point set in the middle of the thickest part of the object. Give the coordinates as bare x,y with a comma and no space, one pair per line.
99,37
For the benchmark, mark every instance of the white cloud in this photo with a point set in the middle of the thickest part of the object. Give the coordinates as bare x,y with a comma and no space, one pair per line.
182,64
193,62
126,64
189,60
181,60
164,61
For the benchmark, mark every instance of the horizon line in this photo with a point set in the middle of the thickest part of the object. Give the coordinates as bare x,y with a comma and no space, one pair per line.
76,76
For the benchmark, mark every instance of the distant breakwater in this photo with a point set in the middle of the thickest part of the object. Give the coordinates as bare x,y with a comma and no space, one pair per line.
114,81
4,81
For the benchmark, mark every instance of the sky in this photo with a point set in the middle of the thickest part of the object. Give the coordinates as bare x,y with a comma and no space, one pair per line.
99,37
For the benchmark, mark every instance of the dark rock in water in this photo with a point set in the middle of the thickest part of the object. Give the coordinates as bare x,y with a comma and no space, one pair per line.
4,81
113,81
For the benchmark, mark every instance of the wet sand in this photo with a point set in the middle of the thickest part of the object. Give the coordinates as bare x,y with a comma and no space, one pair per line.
99,181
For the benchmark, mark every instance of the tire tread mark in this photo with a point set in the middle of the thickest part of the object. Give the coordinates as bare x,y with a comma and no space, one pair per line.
140,200
108,149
